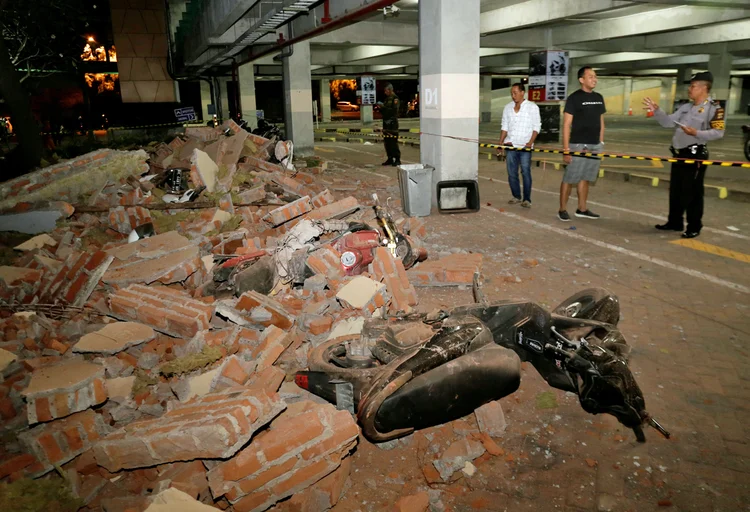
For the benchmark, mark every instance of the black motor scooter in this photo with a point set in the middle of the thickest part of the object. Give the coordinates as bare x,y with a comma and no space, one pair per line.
398,376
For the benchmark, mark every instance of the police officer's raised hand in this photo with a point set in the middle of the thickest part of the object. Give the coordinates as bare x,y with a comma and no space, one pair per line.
650,104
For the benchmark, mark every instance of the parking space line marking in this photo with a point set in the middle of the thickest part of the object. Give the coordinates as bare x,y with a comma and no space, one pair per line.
616,248
712,249
625,210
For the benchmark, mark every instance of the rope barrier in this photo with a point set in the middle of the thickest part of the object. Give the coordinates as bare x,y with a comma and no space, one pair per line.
587,154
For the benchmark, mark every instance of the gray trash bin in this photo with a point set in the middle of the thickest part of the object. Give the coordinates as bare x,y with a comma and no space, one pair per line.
415,182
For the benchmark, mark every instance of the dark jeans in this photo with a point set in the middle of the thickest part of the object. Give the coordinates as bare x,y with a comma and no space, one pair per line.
512,160
686,194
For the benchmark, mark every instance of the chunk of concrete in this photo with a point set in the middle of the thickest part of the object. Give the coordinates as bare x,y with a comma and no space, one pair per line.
37,242
114,338
174,500
198,385
491,419
120,387
207,169
456,457
360,292
6,359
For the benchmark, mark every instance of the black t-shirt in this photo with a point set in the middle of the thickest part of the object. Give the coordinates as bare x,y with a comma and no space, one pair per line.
587,109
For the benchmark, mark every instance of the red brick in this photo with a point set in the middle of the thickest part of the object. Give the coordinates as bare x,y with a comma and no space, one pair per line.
288,434
279,316
321,325
73,438
233,371
334,210
61,405
16,464
252,502
42,409
7,409
304,476
51,448
249,485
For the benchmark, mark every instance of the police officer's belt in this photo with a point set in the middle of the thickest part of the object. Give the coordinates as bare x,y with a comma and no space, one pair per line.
694,150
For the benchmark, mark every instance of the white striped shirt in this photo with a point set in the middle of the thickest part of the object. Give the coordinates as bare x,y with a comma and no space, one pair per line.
520,125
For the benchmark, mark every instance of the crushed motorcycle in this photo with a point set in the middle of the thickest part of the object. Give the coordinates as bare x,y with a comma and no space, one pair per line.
400,375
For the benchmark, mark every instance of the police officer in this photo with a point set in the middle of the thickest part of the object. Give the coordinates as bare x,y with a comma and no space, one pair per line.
695,124
389,110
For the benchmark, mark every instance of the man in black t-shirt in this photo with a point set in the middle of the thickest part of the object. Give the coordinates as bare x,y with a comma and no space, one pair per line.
583,130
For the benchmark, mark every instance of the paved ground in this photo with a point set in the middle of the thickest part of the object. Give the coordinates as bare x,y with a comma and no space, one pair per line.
634,135
685,311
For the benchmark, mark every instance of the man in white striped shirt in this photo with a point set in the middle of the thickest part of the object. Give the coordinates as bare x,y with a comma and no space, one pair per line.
520,126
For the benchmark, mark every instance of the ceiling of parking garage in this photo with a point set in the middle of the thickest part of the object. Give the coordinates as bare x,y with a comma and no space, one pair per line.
615,36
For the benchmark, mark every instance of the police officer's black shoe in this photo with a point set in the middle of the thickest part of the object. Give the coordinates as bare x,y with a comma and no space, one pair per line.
387,162
690,234
668,227
396,163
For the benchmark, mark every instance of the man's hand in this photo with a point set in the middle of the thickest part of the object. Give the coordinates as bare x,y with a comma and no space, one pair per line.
529,144
568,159
649,104
500,151
689,130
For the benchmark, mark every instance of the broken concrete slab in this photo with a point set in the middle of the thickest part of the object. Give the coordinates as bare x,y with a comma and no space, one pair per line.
215,426
166,310
174,267
299,448
114,338
59,441
60,390
36,218
37,242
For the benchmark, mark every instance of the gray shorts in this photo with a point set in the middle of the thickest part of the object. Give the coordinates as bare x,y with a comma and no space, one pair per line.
583,168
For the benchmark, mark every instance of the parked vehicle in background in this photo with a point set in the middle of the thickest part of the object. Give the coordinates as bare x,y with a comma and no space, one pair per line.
346,106
746,130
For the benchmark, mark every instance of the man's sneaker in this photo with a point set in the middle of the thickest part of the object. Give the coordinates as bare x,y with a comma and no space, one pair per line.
514,200
526,204
588,214
563,216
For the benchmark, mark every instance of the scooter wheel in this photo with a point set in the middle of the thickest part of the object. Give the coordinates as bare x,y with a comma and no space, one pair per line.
322,359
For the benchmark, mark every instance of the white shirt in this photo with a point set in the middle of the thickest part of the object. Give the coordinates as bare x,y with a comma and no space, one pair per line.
520,125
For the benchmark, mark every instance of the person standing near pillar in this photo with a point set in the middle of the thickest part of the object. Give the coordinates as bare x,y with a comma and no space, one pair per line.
520,126
695,124
389,110
583,130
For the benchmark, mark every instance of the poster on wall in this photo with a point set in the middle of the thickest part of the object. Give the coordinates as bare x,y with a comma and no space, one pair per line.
368,90
548,76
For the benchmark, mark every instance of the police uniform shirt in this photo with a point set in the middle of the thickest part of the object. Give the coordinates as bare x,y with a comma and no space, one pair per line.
706,117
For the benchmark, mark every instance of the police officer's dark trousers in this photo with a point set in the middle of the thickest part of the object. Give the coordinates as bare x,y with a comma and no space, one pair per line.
686,192
390,139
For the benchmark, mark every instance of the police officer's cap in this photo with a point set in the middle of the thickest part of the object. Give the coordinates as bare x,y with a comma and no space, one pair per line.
703,76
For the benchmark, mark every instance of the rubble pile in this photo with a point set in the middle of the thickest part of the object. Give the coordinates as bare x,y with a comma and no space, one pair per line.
146,344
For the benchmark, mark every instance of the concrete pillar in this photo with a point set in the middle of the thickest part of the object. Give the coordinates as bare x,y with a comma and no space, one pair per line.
247,94
365,114
666,98
205,99
721,66
627,90
449,92
735,93
325,101
485,99
573,83
298,117
224,98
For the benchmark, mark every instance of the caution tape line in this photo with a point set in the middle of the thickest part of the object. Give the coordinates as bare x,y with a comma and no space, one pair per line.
719,163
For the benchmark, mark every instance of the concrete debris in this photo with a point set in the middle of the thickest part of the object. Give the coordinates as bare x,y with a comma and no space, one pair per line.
114,338
456,457
217,303
491,419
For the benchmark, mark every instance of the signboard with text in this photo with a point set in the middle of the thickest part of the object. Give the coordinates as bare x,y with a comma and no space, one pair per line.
548,75
185,114
368,90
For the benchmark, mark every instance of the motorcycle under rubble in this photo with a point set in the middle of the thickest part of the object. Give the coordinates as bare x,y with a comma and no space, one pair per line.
406,374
